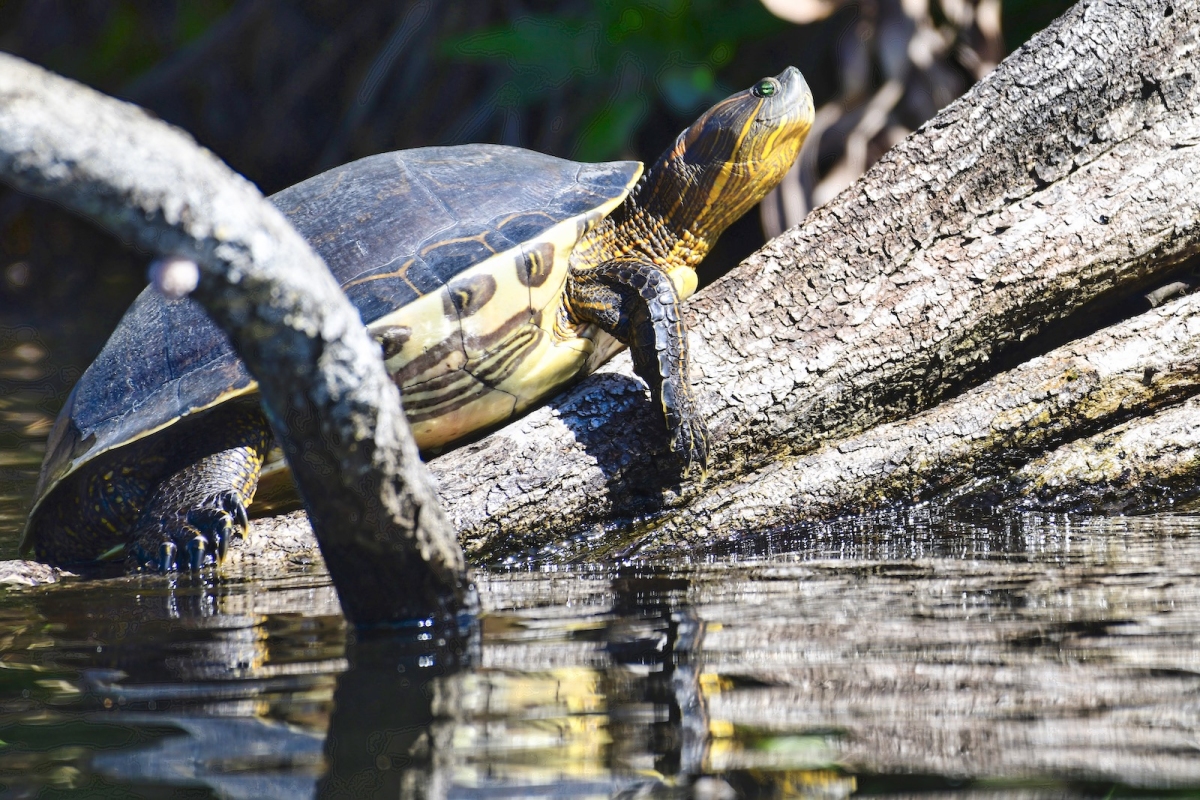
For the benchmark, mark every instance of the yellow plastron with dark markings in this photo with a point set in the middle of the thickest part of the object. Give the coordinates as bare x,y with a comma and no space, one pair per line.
492,342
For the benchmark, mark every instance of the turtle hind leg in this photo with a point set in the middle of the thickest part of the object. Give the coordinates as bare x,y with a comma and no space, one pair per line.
94,510
636,302
197,510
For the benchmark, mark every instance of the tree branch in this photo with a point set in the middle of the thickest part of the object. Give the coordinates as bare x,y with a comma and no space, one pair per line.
323,384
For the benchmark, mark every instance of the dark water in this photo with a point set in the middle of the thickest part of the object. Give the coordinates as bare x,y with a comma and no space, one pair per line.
901,655
1040,658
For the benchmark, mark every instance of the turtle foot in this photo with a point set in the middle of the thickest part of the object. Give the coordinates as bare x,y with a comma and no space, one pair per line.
191,539
689,443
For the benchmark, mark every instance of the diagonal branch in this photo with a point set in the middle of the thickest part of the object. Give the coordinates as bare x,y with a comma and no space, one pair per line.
374,511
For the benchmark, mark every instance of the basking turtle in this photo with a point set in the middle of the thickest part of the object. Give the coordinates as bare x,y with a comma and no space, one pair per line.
491,276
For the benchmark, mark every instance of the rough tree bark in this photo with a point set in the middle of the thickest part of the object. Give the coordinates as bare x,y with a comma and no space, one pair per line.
323,384
1059,184
1144,464
971,445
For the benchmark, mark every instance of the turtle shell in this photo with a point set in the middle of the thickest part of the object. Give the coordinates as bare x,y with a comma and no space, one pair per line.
441,249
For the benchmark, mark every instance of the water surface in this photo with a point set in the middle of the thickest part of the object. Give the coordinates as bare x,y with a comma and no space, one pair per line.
902,654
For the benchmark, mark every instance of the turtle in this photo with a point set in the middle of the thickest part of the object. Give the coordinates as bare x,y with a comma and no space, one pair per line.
491,276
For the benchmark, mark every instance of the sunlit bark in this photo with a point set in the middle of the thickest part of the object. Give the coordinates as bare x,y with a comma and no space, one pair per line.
1058,186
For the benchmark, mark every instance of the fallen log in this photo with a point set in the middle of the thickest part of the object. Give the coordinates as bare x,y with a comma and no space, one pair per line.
1028,421
1055,188
1058,185
1146,464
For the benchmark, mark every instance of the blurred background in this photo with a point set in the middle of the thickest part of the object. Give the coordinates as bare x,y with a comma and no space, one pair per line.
283,90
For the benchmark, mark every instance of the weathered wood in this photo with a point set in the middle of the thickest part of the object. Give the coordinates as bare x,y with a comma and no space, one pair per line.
1144,464
971,444
323,384
18,572
1060,182
1064,178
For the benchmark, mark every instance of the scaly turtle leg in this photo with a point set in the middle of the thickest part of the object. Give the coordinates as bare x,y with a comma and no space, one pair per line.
636,302
195,512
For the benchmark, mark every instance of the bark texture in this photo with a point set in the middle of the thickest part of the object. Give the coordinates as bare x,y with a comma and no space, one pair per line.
323,384
1144,464
1025,420
1061,181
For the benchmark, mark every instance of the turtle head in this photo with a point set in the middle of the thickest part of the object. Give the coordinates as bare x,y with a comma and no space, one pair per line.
730,158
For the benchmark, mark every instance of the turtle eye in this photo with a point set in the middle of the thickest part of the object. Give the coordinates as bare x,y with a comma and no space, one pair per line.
767,87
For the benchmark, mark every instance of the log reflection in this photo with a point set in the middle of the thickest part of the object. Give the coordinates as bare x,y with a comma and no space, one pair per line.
977,653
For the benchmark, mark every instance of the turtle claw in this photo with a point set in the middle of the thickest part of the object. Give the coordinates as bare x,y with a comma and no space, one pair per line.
237,511
191,539
166,557
222,548
214,528
240,517
686,432
689,443
196,553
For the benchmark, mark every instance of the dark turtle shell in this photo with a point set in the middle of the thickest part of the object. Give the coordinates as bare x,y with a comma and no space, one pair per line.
393,228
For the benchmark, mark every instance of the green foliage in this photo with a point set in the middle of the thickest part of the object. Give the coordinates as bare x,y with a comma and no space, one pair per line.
194,18
123,48
678,46
611,128
542,52
132,37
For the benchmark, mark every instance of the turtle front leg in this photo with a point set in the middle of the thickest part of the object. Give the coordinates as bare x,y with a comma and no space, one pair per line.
636,302
197,510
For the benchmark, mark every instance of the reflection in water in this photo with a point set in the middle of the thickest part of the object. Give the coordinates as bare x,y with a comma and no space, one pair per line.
896,654
187,682
396,714
968,656
433,718
30,394
243,757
